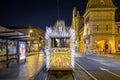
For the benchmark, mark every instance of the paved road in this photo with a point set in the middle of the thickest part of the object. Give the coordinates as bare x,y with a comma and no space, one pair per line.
102,68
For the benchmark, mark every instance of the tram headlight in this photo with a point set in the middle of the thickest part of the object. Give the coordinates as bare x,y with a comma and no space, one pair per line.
59,60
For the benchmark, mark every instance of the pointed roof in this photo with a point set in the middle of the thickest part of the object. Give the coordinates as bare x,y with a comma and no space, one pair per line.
60,23
100,4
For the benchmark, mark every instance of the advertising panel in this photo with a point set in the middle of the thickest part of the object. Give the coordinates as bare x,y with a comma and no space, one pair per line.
22,50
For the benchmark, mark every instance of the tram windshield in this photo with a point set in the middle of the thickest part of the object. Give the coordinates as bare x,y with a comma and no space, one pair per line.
60,42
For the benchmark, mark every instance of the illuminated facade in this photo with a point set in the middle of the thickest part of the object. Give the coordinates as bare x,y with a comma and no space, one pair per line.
77,24
101,32
81,40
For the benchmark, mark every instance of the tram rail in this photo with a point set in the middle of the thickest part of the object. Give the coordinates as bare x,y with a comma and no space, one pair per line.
76,74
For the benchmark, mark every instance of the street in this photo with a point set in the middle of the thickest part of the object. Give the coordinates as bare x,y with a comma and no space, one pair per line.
87,67
93,67
100,67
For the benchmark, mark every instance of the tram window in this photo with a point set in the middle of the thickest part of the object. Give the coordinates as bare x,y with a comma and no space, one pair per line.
60,42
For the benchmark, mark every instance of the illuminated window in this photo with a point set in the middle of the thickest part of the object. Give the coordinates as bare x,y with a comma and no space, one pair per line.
60,42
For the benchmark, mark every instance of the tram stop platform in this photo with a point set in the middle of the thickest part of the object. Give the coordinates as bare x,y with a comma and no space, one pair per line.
24,70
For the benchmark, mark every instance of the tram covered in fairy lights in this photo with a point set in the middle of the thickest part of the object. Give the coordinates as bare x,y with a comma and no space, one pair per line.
60,47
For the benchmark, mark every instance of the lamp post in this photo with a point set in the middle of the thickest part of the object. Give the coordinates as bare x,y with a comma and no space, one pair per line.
30,35
30,32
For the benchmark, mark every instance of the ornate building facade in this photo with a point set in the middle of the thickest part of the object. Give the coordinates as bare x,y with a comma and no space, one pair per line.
77,24
101,32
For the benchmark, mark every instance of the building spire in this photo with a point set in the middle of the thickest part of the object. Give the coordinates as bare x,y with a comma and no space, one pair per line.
74,12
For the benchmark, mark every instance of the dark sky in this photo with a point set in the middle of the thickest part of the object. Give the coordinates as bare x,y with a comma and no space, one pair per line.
40,13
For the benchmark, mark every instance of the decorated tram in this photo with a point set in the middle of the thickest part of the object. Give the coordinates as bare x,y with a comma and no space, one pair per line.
59,48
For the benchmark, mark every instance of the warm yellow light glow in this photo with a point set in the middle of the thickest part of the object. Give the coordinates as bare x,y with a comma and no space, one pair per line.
102,1
110,42
98,42
30,31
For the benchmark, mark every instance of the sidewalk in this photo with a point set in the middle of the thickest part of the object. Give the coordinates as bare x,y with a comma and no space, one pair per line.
25,70
116,56
79,54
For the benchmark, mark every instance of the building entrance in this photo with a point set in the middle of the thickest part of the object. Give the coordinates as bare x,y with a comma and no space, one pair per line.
103,47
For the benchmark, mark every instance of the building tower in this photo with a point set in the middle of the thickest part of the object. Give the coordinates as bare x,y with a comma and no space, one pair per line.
99,28
77,23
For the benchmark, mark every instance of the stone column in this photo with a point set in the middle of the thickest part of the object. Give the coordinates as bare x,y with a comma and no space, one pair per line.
113,45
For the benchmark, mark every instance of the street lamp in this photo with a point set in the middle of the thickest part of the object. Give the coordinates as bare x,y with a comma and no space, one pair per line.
30,32
30,35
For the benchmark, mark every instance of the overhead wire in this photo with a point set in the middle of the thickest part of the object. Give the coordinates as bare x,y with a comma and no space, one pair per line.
58,9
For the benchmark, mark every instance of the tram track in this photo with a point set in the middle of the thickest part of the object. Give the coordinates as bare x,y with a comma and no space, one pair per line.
41,74
61,75
81,74
76,74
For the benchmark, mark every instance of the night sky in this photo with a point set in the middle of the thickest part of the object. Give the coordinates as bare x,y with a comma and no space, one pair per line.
40,13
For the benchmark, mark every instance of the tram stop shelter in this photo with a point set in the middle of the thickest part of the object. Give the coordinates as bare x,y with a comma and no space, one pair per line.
12,47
